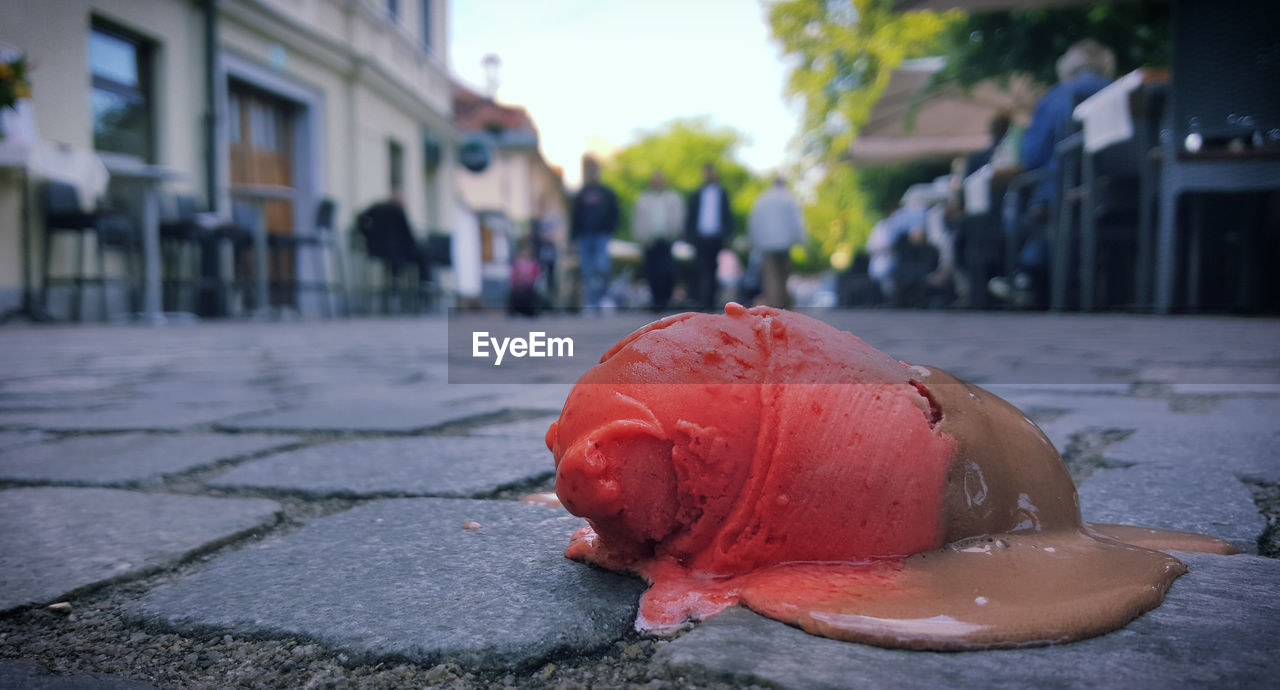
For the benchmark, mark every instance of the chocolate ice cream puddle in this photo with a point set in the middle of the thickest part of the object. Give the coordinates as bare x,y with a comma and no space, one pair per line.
546,498
1163,539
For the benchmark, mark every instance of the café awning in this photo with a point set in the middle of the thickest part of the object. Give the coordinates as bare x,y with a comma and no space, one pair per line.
910,123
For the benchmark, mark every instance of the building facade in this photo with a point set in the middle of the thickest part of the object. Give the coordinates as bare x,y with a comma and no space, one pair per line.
517,188
281,103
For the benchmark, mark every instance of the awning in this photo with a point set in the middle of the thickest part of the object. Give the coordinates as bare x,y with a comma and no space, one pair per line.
948,122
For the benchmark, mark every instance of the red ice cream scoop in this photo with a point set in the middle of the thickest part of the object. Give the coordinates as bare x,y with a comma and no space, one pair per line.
765,457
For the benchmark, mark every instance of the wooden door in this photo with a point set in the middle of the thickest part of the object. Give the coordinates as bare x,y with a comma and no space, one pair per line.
260,134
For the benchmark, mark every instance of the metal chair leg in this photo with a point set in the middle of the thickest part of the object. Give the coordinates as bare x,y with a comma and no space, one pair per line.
101,261
79,279
46,261
1166,247
1088,236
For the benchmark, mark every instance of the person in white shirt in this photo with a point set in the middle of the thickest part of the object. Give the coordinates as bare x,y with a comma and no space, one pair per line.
708,223
656,221
775,226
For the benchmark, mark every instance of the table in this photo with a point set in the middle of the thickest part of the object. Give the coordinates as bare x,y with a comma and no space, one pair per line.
14,159
149,177
257,194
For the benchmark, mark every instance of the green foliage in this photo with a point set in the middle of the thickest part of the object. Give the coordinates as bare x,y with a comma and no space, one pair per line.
679,149
837,218
1000,44
843,52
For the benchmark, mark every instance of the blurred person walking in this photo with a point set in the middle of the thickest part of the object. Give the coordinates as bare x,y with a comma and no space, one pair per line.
775,226
542,229
524,281
707,224
592,222
656,221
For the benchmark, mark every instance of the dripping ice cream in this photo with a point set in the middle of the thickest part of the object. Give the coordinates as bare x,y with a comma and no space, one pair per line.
761,457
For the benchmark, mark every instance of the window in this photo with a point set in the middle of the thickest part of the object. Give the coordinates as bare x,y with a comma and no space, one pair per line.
395,165
426,25
120,96
393,11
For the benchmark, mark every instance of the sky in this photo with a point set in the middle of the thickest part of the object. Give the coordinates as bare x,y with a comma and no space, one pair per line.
594,74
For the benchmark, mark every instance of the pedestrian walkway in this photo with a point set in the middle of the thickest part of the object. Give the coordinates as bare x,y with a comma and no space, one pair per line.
293,504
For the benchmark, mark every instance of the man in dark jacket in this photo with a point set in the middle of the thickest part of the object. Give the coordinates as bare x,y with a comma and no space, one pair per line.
707,225
592,222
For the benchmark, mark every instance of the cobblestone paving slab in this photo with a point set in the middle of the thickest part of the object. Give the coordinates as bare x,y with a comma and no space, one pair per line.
15,676
524,428
56,540
457,466
1195,499
127,458
411,414
13,439
1254,454
402,578
1196,414
1209,632
139,415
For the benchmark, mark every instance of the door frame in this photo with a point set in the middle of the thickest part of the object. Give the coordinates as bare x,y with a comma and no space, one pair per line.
308,142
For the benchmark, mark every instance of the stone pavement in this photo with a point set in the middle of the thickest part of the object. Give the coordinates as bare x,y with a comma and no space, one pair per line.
307,484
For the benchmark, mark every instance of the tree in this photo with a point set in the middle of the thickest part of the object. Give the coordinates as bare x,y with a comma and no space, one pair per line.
679,149
1000,44
843,52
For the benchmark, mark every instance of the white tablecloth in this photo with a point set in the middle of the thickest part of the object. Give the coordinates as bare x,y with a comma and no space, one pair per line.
1106,116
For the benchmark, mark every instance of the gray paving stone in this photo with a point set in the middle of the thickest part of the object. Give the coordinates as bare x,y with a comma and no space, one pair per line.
134,416
1254,454
458,466
401,578
13,439
523,428
1196,499
1213,630
408,415
15,674
129,458
1239,388
57,540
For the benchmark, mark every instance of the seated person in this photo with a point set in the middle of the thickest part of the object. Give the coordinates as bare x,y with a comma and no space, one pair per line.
999,127
915,261
1083,70
388,236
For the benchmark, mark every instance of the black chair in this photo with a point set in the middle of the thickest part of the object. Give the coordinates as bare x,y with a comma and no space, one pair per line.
284,250
62,214
236,285
1096,231
384,232
182,241
1226,64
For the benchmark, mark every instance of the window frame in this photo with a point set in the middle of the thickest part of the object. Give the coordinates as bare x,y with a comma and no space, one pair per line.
426,26
144,51
395,166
